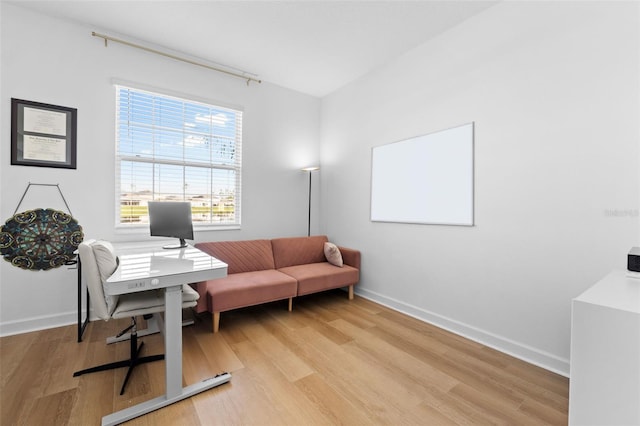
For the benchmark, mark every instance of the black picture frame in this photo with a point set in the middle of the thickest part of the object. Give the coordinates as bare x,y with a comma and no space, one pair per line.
43,135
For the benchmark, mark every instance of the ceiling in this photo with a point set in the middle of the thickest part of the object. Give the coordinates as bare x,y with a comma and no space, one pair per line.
314,47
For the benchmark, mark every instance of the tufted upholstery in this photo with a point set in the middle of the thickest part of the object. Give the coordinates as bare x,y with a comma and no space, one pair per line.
241,256
261,271
298,251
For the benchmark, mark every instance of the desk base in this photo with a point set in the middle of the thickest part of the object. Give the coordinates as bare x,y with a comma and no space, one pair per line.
162,401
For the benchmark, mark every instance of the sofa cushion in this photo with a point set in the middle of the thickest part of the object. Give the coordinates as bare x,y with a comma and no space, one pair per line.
316,277
241,256
298,250
248,288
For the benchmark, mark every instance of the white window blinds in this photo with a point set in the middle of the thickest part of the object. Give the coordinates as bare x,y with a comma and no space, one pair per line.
172,149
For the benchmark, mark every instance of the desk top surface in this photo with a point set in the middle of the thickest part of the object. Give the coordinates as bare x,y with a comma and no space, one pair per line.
615,291
143,264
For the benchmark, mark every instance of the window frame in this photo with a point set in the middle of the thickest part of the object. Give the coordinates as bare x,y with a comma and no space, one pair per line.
124,227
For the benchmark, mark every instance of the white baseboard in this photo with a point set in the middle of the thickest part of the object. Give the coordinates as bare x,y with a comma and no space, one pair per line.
518,350
38,323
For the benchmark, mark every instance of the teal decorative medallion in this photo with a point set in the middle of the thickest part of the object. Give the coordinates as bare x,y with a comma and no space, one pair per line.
40,239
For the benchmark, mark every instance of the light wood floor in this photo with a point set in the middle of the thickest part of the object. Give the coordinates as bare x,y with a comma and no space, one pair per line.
330,361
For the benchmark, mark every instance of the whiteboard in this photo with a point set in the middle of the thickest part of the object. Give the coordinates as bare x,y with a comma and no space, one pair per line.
427,179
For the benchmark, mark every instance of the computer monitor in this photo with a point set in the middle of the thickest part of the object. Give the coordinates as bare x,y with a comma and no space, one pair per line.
171,219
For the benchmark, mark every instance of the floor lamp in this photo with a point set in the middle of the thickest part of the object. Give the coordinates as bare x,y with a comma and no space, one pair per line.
309,170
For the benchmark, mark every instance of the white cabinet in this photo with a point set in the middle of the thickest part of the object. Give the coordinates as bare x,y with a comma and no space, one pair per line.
604,387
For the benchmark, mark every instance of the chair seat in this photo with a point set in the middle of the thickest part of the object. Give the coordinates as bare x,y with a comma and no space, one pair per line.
150,302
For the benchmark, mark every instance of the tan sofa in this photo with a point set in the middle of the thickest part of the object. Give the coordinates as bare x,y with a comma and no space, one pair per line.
262,271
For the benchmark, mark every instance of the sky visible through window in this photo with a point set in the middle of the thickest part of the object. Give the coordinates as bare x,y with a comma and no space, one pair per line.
174,149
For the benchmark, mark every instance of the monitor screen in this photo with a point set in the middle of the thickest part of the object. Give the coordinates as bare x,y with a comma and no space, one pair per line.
171,219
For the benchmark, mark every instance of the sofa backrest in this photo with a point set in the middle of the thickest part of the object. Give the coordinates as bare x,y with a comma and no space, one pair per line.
298,250
241,256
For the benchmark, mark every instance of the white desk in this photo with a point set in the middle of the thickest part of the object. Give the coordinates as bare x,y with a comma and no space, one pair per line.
605,353
144,269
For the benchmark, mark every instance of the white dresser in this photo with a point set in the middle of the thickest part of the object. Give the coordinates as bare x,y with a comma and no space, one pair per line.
605,353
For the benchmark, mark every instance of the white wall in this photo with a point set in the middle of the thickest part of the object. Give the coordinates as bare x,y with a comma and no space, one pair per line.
553,89
52,61
554,93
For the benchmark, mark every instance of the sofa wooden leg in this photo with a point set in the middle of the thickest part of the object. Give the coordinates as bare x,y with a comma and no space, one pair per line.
290,304
350,292
216,321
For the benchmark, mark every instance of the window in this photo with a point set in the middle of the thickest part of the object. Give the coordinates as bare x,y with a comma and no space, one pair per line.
175,149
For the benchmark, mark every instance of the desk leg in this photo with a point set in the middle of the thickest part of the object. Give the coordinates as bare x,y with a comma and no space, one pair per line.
173,340
173,365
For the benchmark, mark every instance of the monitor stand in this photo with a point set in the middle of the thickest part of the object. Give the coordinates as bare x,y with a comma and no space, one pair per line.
182,244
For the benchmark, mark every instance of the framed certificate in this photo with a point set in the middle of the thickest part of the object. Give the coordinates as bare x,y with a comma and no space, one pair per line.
43,135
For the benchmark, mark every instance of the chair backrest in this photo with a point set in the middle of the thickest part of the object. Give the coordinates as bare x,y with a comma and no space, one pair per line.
102,306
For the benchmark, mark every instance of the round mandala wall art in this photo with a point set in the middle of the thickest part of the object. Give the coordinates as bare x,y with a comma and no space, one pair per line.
40,239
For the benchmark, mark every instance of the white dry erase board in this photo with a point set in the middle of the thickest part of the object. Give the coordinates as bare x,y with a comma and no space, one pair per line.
427,179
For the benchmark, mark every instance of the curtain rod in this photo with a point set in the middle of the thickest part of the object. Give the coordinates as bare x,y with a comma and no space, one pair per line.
168,55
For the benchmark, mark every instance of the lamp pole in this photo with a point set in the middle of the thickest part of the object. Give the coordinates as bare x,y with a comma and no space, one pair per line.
309,170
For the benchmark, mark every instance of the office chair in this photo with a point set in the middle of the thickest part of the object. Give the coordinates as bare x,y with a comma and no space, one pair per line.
98,263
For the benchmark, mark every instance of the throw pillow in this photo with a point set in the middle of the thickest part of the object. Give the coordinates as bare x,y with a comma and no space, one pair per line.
333,255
